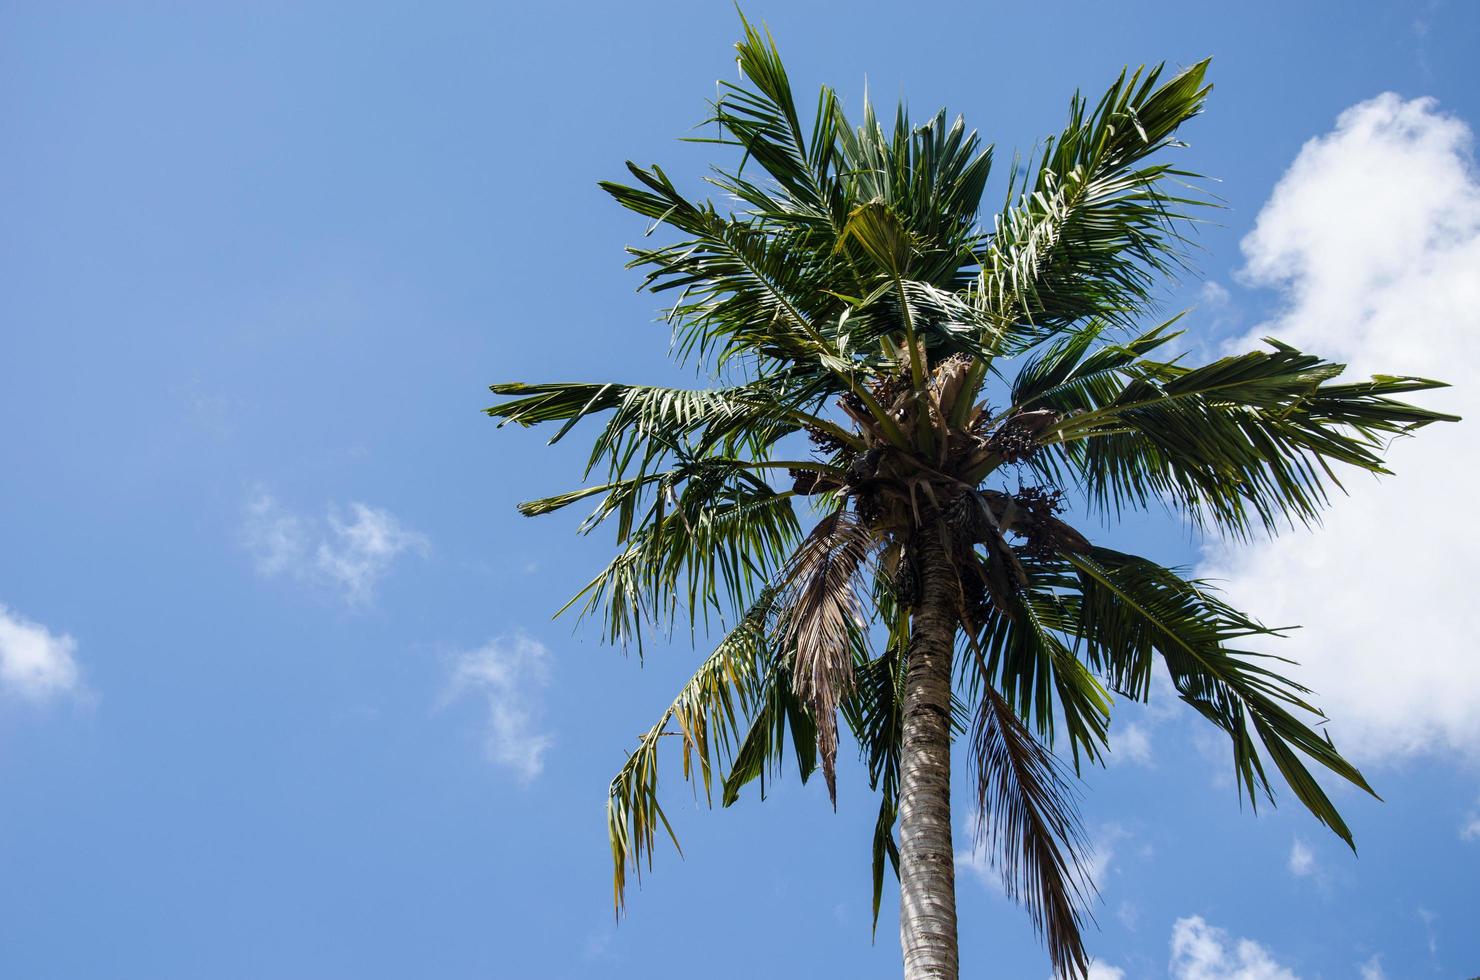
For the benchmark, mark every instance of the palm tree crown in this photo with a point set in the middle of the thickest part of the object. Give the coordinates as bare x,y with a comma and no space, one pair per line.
935,384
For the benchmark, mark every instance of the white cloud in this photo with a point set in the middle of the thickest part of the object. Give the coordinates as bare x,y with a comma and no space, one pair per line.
358,553
1129,914
1130,743
1204,952
509,673
1103,846
348,556
1373,239
1470,830
1302,859
35,663
1213,295
1372,969
1431,935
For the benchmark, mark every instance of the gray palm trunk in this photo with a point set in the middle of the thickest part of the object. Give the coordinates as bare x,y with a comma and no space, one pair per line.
927,872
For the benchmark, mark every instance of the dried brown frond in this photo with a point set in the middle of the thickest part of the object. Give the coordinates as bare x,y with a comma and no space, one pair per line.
821,615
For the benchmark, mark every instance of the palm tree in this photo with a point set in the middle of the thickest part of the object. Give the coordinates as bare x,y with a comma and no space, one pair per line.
933,384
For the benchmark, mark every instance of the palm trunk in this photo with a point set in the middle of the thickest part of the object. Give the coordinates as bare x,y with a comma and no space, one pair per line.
927,871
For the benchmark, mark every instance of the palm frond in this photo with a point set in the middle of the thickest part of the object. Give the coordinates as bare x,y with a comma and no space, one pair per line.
874,712
763,749
705,536
744,290
708,714
1132,608
1028,661
1028,818
932,177
1095,224
821,617
648,422
765,123
1250,436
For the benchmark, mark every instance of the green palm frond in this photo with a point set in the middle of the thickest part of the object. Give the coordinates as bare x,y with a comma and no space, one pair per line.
744,288
708,714
1081,370
873,710
1028,658
932,177
763,749
1250,435
647,422
1133,608
765,123
710,530
1095,223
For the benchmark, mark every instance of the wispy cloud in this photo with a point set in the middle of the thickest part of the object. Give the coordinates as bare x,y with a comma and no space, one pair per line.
509,674
1130,742
1470,829
1372,969
1302,859
1133,728
1204,952
1431,933
348,551
1372,238
36,664
976,860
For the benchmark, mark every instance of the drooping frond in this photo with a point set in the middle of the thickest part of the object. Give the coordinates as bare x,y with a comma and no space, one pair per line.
778,712
706,717
1029,821
874,710
1132,608
1027,658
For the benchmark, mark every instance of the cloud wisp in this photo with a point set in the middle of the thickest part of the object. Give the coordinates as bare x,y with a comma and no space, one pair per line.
509,674
347,552
1372,239
36,664
1470,829
1302,861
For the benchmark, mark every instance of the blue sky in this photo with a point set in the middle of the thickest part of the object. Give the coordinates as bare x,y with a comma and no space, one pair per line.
280,694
